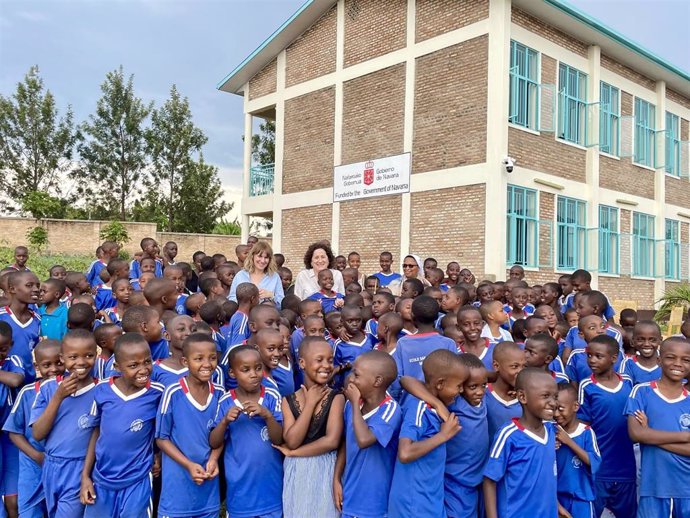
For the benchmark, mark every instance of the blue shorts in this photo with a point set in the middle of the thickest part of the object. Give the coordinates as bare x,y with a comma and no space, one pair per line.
618,497
130,502
577,508
10,465
61,483
652,507
462,501
274,514
214,514
32,501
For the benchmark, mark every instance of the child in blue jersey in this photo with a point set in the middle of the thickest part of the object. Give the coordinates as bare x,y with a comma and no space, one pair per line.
108,252
404,309
248,423
81,315
31,499
282,374
520,475
116,479
312,431
659,419
262,316
53,313
104,298
24,289
183,424
346,351
386,275
388,330
105,336
589,327
471,324
501,403
161,295
540,351
453,299
60,417
411,350
334,326
175,274
247,297
168,371
417,485
269,343
644,366
150,250
213,314
536,325
140,283
122,291
493,315
307,308
580,281
364,467
602,399
382,303
329,299
145,321
591,303
577,456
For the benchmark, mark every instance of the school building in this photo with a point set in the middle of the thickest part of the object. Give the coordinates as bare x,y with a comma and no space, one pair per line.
597,127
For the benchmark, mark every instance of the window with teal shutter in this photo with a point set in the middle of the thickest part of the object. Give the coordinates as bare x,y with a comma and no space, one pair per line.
644,257
572,104
672,162
672,250
609,119
522,226
645,132
524,86
571,219
608,240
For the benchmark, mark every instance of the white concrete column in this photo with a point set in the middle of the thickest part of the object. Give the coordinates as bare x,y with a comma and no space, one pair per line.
592,161
660,191
496,203
247,164
338,126
279,147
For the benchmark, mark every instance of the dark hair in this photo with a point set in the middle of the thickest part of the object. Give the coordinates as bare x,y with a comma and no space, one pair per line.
197,254
597,298
114,265
518,330
5,330
80,316
582,275
548,341
569,388
126,340
386,295
417,285
354,299
102,331
610,342
292,302
135,316
78,334
206,285
353,253
246,291
310,253
196,338
555,287
527,374
58,284
387,254
425,309
207,263
470,361
211,312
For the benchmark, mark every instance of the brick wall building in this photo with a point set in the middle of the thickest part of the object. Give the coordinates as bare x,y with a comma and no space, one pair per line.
598,128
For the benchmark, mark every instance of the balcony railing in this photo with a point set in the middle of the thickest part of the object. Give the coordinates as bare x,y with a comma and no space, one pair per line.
261,180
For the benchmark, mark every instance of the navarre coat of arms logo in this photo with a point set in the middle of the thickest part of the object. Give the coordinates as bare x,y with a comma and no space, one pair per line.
368,173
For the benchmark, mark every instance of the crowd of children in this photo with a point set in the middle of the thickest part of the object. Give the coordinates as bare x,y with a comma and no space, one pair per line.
140,388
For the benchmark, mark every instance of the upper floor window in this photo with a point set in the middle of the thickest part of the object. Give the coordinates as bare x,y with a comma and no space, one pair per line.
672,161
522,226
524,86
609,119
572,229
572,104
645,132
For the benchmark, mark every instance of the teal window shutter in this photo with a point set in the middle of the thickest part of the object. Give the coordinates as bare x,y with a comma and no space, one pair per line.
522,236
645,133
644,250
571,218
609,240
572,104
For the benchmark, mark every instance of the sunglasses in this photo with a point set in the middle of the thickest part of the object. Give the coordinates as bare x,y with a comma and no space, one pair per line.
409,265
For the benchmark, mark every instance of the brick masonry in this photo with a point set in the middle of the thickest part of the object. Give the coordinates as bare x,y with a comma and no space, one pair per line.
450,107
265,81
436,17
448,224
532,24
308,145
313,54
373,28
627,72
381,230
373,115
301,228
678,98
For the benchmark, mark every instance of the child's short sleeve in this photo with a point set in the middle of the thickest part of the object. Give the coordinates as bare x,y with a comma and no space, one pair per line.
274,405
164,417
497,464
570,338
413,422
14,365
592,449
224,405
584,410
95,413
636,401
42,399
15,421
386,423
337,354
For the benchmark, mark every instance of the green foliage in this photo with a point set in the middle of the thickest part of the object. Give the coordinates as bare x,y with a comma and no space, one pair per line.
36,144
227,228
113,146
37,237
264,144
41,205
115,231
40,264
677,295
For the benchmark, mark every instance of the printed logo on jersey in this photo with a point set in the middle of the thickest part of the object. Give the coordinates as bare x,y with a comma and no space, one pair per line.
684,421
264,434
576,462
209,425
83,421
136,425
368,173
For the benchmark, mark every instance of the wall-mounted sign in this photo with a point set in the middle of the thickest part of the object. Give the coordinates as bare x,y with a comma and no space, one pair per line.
379,177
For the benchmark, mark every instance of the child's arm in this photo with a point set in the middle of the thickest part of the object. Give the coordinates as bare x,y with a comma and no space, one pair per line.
87,494
197,472
564,438
365,437
42,426
275,429
337,477
11,379
409,450
639,432
334,431
419,390
489,487
217,437
25,447
295,430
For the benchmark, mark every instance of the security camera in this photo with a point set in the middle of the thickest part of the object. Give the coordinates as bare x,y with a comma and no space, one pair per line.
508,163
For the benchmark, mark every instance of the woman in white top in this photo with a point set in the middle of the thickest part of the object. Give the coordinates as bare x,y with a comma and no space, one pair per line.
260,269
412,269
319,257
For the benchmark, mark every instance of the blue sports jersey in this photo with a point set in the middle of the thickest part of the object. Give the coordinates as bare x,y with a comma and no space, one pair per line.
238,330
295,341
135,285
369,471
386,278
114,316
499,412
603,407
523,465
638,373
577,368
284,378
664,474
466,454
24,338
135,269
327,300
14,365
411,351
347,352
100,367
104,298
71,431
30,489
487,355
180,307
504,336
93,274
167,376
53,325
159,349
371,329
124,449
575,341
575,479
253,488
187,424
417,486
559,377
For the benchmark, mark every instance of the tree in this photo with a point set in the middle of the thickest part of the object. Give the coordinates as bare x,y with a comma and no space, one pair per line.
173,140
42,205
115,231
200,205
37,237
264,144
36,144
113,145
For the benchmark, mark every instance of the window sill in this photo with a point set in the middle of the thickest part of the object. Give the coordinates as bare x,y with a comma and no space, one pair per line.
672,176
642,278
526,268
607,155
522,128
642,166
572,144
610,275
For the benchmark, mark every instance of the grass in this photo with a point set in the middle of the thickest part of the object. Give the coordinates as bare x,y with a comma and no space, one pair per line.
41,263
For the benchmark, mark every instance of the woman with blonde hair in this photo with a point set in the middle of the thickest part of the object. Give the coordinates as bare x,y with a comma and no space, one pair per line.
261,270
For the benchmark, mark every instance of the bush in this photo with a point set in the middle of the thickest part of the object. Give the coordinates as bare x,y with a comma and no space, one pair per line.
37,237
115,231
40,264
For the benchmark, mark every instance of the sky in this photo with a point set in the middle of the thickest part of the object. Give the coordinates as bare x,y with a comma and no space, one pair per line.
196,43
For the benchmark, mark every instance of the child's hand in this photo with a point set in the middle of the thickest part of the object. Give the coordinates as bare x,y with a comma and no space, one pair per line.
211,469
352,393
265,294
442,410
87,494
67,387
252,408
339,303
233,414
197,473
338,494
344,335
38,457
641,418
562,437
314,394
283,449
103,315
156,468
562,513
450,427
